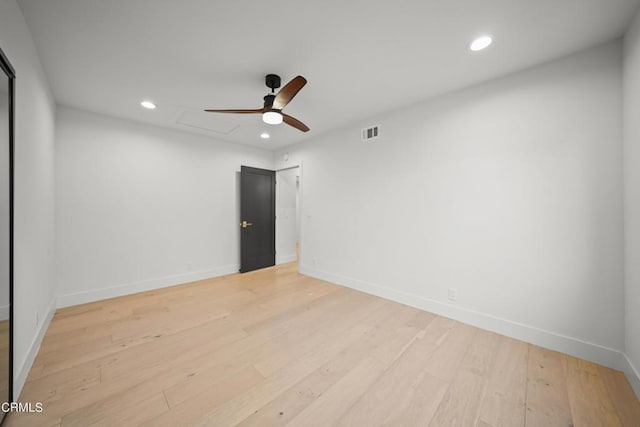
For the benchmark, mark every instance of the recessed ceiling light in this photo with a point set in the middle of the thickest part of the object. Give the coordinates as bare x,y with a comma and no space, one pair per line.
480,43
148,104
265,135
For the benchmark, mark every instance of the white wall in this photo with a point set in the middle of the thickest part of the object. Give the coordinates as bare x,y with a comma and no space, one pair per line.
34,186
632,194
509,192
141,207
286,213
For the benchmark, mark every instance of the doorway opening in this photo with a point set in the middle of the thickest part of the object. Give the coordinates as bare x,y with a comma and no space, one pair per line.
288,204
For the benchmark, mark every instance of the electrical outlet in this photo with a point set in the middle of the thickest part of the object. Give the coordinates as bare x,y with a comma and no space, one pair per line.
453,294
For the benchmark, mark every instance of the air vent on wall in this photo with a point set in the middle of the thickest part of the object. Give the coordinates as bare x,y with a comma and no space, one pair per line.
371,133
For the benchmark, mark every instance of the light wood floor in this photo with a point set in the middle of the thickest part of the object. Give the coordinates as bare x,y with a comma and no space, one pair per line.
273,347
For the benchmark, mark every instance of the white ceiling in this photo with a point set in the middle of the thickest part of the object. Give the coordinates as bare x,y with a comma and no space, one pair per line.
361,57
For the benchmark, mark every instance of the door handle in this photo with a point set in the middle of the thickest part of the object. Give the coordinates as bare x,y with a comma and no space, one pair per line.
245,224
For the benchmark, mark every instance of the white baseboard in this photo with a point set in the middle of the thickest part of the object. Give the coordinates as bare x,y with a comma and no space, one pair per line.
142,286
283,259
575,347
633,375
23,368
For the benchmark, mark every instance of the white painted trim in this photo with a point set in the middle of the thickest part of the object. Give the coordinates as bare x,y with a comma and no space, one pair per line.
573,346
142,286
288,168
283,259
20,374
633,375
300,212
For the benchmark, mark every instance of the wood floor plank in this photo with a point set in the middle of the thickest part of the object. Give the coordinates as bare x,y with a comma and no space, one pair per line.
588,397
60,387
622,396
126,415
448,356
225,386
200,411
461,403
29,421
505,398
283,408
547,398
275,360
426,397
329,406
394,394
386,351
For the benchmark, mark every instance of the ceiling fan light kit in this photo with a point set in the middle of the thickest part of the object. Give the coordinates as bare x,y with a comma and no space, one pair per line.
272,117
274,103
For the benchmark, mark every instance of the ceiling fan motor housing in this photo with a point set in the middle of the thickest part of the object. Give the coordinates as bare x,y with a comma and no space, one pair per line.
268,101
272,81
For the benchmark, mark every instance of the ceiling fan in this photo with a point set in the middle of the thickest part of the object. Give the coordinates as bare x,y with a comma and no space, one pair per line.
273,104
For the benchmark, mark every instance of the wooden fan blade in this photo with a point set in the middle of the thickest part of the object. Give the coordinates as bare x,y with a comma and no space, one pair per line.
287,93
292,121
237,111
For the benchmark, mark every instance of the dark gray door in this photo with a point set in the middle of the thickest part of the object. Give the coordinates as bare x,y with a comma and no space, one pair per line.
257,218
